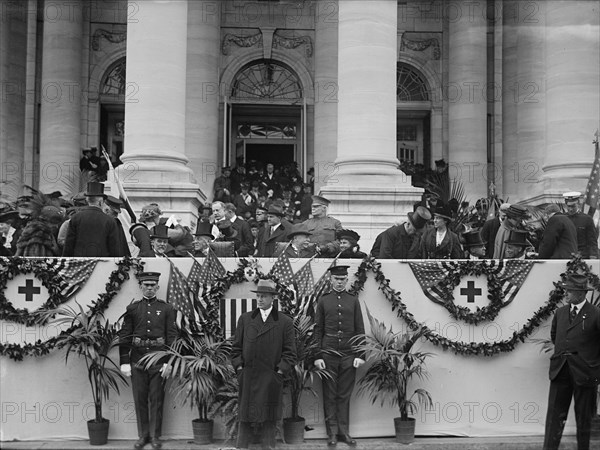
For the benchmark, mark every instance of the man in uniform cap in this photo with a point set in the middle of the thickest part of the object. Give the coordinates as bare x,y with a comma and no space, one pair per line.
92,233
263,351
338,319
401,241
148,325
323,228
560,236
112,208
587,234
575,365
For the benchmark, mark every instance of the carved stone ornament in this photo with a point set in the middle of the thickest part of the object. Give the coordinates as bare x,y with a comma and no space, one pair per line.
240,41
110,36
421,45
294,42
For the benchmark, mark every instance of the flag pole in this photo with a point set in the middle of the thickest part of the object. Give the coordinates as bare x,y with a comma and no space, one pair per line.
592,209
122,193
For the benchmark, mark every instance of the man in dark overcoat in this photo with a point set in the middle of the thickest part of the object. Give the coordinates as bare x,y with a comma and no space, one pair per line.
575,364
402,241
560,236
274,232
92,233
112,208
338,319
148,325
264,350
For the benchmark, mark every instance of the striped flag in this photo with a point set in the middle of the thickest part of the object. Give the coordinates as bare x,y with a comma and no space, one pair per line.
232,308
282,269
211,269
304,281
429,274
195,274
184,299
592,191
512,274
71,274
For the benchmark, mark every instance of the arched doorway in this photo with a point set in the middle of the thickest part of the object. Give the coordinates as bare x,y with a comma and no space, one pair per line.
413,125
112,110
266,115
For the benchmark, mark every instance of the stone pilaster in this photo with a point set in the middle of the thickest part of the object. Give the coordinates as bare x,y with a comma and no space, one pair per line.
154,162
467,81
367,189
60,121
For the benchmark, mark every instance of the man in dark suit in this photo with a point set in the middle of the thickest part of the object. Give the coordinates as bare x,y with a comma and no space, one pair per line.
91,232
575,364
274,232
587,234
244,233
402,241
299,247
264,350
560,236
490,228
112,208
148,325
338,319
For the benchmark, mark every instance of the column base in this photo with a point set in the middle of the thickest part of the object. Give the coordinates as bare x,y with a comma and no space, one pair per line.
372,204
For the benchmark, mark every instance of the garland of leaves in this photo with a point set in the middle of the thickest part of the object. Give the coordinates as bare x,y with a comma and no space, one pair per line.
11,267
456,272
116,279
577,265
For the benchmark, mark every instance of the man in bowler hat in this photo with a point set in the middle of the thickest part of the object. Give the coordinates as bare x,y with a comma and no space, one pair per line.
338,319
148,325
575,364
264,350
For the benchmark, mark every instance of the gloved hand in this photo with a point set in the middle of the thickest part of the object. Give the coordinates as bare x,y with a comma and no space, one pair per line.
358,362
320,364
126,369
165,370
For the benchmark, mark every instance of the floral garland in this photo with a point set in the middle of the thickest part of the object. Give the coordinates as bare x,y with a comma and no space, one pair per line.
116,279
12,267
456,272
577,265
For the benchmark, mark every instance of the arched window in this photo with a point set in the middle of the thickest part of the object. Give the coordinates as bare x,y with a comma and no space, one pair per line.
266,79
411,85
113,83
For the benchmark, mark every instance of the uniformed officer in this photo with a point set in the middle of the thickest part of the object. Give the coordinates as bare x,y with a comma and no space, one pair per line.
323,228
337,320
148,325
587,235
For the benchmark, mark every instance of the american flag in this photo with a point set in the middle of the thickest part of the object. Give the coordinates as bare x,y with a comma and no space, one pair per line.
211,269
592,194
195,275
510,273
71,274
282,269
183,298
232,308
304,281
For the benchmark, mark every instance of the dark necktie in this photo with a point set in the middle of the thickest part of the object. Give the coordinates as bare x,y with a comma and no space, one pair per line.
573,314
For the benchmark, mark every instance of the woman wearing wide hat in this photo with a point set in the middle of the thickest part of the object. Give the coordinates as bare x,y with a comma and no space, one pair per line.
440,242
349,244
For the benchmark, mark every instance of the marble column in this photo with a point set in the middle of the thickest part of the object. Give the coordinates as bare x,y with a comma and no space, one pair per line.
572,94
154,162
202,108
60,96
367,189
13,53
467,111
326,90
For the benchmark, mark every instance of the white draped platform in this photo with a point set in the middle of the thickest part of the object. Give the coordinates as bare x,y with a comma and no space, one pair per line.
503,395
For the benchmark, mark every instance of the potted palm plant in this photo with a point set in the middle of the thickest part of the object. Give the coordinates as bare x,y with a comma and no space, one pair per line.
93,338
392,363
301,376
198,366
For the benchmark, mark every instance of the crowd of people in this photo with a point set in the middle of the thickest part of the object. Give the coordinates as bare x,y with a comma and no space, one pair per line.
265,214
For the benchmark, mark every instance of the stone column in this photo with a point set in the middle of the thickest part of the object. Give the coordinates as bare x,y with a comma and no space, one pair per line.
13,54
572,94
154,162
467,80
326,90
202,108
60,128
368,190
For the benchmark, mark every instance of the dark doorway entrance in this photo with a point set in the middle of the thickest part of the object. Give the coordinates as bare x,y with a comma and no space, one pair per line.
276,154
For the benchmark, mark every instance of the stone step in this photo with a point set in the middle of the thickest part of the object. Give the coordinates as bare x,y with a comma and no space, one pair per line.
445,443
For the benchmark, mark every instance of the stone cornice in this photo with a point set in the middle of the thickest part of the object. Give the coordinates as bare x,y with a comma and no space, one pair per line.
240,41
